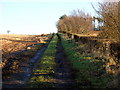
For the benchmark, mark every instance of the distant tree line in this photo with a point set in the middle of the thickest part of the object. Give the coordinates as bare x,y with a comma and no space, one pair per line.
80,22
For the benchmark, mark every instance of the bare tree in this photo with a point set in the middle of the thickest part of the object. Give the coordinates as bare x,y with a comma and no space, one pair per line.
108,13
8,31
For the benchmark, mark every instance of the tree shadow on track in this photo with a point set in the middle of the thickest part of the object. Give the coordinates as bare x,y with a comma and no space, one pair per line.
63,76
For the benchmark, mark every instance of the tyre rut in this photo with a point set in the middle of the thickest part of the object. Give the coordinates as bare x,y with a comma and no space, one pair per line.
20,79
63,75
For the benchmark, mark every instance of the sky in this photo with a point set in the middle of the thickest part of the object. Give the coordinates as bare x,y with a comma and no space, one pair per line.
38,16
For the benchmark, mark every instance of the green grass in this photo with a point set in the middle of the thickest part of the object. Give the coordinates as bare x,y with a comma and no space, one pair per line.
45,69
88,72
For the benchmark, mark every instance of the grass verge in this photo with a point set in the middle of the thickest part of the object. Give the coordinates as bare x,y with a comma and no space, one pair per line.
87,71
43,74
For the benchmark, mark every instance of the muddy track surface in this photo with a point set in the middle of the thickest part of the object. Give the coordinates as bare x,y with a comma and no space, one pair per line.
63,78
63,75
20,79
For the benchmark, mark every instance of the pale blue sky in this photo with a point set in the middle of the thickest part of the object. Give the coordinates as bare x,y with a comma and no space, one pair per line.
36,17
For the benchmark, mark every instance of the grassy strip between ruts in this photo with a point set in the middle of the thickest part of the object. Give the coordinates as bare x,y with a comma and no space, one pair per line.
88,72
43,75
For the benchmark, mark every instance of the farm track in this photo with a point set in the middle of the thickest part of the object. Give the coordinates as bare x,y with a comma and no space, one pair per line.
63,76
19,79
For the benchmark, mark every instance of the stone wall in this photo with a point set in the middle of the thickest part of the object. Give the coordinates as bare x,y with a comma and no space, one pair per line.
109,50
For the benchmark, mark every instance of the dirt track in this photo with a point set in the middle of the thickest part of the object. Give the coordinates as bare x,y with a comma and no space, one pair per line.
19,79
63,78
63,75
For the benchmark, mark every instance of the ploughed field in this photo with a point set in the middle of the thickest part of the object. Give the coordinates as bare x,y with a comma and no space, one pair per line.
18,48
